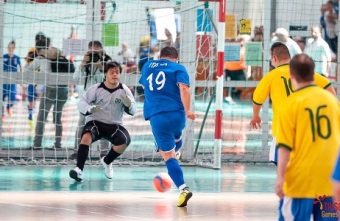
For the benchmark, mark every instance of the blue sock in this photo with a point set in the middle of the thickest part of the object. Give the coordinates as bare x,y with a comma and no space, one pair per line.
30,113
175,171
178,145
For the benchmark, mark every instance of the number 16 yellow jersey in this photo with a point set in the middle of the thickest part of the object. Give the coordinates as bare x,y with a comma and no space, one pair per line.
309,126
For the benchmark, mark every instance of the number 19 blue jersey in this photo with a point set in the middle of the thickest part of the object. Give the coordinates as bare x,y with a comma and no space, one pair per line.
160,79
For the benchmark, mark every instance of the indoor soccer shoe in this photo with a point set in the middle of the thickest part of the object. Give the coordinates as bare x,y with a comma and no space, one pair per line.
76,174
108,168
184,197
31,125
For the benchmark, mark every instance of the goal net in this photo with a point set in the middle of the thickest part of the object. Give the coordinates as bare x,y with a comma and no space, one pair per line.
192,26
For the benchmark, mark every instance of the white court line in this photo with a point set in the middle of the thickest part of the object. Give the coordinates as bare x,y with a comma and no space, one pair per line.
127,206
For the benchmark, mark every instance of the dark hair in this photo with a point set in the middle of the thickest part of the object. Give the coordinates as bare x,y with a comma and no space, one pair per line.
48,41
112,64
12,43
302,67
170,52
280,50
41,44
40,36
95,43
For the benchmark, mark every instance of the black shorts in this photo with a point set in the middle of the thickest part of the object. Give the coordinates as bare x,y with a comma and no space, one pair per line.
114,133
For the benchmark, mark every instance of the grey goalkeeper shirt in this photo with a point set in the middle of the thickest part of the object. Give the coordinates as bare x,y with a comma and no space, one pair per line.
111,106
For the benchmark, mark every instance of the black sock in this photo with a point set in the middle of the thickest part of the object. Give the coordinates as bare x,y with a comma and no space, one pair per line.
111,156
83,153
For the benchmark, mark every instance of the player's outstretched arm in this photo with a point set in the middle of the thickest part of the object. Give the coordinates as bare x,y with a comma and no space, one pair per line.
255,121
185,97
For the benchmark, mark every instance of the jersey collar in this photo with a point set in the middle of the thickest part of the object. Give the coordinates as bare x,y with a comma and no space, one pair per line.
311,85
282,65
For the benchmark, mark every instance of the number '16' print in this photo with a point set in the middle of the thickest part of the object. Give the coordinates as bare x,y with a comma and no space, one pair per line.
316,120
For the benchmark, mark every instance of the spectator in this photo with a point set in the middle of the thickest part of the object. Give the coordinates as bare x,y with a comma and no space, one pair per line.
32,93
53,95
319,51
128,59
145,53
336,6
235,70
169,40
301,42
256,71
331,21
282,35
73,87
92,67
323,10
11,64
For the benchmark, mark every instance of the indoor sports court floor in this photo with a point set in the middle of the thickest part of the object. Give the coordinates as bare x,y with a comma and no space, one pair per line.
236,192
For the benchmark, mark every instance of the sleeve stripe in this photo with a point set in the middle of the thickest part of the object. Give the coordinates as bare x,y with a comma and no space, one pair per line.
327,85
284,145
256,103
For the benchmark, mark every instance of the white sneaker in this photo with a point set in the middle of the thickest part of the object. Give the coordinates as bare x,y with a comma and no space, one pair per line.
108,168
76,174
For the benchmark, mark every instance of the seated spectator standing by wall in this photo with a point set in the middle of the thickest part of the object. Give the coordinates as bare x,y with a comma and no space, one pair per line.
235,70
319,51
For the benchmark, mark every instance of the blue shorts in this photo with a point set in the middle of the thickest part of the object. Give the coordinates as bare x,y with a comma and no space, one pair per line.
10,91
303,209
166,128
31,93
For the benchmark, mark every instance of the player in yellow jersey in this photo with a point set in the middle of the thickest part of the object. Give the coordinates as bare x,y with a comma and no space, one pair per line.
278,86
308,139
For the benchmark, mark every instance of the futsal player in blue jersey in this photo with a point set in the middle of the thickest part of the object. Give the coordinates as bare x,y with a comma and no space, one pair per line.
166,106
11,64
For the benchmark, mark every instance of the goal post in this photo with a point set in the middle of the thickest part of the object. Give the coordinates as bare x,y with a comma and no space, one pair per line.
221,132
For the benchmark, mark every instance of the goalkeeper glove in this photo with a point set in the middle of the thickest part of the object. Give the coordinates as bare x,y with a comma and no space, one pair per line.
126,100
93,108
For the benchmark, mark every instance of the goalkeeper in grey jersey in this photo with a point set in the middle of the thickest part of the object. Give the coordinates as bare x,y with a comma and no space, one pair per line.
103,105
